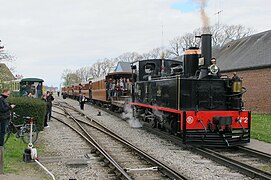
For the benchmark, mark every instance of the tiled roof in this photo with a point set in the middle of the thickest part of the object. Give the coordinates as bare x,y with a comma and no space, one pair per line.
5,74
247,53
123,67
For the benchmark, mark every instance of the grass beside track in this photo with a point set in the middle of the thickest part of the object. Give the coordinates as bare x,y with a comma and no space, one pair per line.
261,127
13,157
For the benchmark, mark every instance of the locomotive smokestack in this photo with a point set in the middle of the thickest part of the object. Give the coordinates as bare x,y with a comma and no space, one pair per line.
206,49
206,54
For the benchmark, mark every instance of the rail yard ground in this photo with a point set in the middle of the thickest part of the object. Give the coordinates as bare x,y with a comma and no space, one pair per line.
15,168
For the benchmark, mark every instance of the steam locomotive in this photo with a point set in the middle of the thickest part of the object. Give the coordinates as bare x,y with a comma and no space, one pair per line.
188,98
191,99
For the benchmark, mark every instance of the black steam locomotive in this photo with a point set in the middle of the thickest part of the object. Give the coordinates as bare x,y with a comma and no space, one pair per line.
191,99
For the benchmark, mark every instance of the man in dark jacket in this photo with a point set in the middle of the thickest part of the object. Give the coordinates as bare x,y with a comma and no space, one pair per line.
82,100
4,114
49,100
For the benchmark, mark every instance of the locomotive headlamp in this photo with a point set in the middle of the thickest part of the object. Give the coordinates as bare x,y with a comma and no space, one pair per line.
213,69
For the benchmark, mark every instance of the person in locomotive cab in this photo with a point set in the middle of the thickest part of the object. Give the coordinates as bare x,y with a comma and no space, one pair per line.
235,77
213,63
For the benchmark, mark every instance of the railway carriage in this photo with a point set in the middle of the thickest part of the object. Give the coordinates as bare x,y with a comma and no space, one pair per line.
22,87
97,91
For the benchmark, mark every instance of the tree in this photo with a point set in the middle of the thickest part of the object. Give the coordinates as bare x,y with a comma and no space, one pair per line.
179,44
101,68
84,74
220,36
70,77
128,57
233,32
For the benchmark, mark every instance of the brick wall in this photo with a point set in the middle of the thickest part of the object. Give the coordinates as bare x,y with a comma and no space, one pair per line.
258,85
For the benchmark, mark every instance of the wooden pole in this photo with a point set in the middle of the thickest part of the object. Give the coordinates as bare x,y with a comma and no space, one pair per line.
1,159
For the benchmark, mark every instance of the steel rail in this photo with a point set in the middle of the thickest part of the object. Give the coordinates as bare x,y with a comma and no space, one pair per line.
96,145
262,155
215,156
162,167
246,169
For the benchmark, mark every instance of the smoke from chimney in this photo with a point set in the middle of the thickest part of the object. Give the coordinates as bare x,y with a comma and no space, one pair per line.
204,17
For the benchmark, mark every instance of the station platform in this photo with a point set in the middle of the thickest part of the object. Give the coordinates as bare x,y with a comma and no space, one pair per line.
259,145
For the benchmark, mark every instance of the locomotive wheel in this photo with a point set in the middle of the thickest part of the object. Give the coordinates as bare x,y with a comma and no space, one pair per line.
153,123
173,126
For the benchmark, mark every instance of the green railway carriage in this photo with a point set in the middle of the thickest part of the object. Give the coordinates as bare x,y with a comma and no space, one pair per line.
31,85
25,87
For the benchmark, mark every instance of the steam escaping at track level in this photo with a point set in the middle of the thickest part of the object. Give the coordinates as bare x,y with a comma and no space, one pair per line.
128,115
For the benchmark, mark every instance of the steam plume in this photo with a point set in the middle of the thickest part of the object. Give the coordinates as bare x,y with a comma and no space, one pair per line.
204,17
128,115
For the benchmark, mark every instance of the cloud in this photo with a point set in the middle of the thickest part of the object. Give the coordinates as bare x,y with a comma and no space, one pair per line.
49,36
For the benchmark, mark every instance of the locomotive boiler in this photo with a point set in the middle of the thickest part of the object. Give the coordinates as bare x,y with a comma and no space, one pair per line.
191,99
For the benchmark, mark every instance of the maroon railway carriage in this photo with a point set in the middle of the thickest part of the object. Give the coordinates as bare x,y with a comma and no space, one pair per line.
190,98
97,91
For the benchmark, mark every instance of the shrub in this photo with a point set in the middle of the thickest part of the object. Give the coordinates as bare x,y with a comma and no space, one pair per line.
26,106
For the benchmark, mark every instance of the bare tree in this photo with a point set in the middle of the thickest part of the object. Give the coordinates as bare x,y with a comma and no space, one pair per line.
101,68
84,73
70,77
234,32
175,46
179,44
128,57
220,36
156,53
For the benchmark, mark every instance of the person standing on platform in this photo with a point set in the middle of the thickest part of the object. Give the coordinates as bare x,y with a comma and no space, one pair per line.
82,100
4,114
44,98
49,100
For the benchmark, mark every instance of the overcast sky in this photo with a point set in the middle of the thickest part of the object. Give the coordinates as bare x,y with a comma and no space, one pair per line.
49,36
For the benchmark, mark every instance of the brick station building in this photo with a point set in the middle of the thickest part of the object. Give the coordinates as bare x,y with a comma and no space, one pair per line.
250,57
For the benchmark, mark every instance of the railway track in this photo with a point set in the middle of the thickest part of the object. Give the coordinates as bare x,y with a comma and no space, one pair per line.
126,160
250,162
